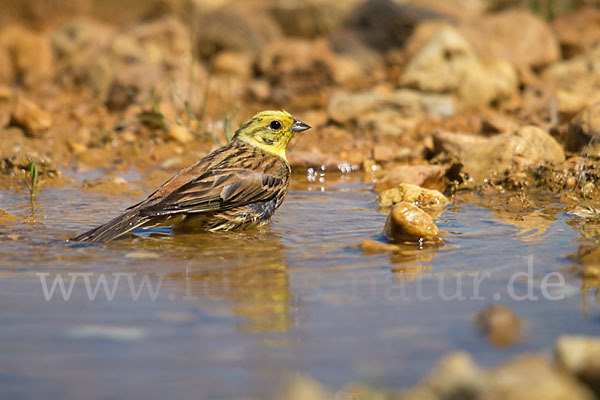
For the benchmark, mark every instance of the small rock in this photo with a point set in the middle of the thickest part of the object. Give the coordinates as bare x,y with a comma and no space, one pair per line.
406,192
584,129
421,175
407,222
500,325
76,147
179,133
580,356
29,116
234,63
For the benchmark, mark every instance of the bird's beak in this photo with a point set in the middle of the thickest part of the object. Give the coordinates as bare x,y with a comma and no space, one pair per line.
299,126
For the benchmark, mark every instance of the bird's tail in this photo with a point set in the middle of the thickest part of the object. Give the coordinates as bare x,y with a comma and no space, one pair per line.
114,228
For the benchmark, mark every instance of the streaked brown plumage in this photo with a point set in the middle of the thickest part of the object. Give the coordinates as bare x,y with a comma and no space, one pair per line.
235,186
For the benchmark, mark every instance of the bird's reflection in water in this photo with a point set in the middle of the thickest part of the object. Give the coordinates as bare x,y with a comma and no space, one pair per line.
245,271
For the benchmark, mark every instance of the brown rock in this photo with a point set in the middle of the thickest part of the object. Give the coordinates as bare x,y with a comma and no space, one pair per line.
584,129
517,36
408,223
500,325
526,147
421,175
406,192
29,116
447,63
31,52
578,30
580,356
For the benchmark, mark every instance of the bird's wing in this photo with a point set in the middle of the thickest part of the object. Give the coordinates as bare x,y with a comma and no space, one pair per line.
217,190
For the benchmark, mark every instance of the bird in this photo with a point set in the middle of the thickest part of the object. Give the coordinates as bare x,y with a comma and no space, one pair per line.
236,186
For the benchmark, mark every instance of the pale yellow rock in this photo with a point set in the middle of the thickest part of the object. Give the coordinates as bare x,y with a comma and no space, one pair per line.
414,194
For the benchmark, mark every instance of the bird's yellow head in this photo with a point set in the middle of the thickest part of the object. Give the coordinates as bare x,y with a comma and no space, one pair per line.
270,131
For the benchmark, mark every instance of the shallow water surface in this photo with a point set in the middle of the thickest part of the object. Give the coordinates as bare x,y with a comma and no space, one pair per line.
234,315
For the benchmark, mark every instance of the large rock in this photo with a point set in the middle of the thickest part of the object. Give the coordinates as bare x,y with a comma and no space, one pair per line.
525,378
408,223
500,324
526,147
531,377
584,129
388,114
31,55
580,356
447,63
517,36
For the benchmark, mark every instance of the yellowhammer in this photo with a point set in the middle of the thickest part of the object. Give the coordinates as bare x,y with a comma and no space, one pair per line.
238,185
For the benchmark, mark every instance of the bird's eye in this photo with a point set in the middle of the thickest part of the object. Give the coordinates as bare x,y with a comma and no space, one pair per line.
275,125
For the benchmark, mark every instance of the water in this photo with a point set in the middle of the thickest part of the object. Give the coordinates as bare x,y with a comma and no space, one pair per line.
235,315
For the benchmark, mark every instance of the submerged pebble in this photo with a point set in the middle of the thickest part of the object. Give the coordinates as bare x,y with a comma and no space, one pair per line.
500,324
